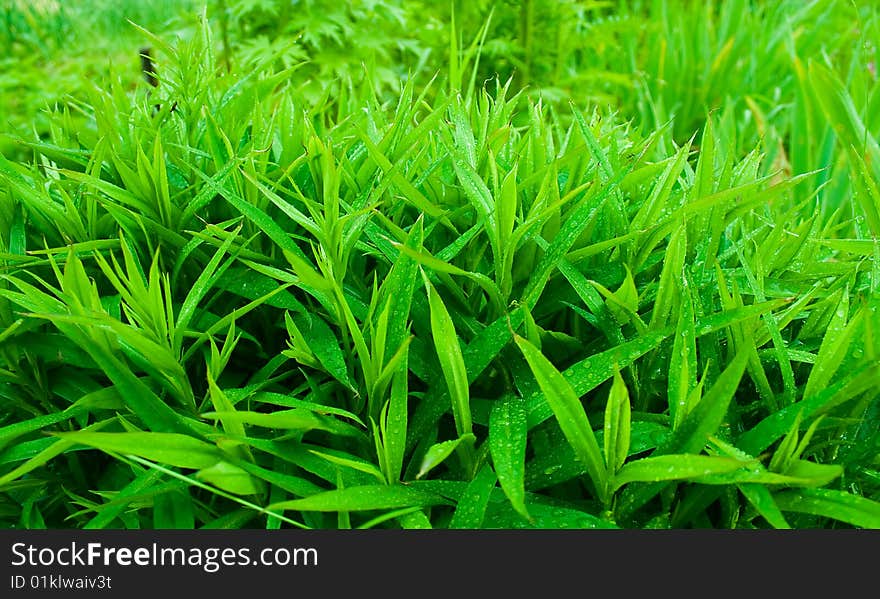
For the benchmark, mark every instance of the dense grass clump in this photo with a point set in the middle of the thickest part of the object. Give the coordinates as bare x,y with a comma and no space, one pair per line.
468,281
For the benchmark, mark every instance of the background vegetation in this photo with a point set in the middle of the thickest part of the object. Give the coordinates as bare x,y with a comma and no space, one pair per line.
386,263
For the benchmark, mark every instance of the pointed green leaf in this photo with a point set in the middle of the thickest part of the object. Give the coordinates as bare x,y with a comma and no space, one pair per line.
569,412
438,453
674,467
838,505
451,360
508,430
166,448
367,497
617,425
471,507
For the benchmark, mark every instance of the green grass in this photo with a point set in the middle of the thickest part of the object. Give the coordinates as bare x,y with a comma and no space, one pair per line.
460,279
55,51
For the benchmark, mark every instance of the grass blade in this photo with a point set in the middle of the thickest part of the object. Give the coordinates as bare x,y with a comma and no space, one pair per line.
508,430
569,412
